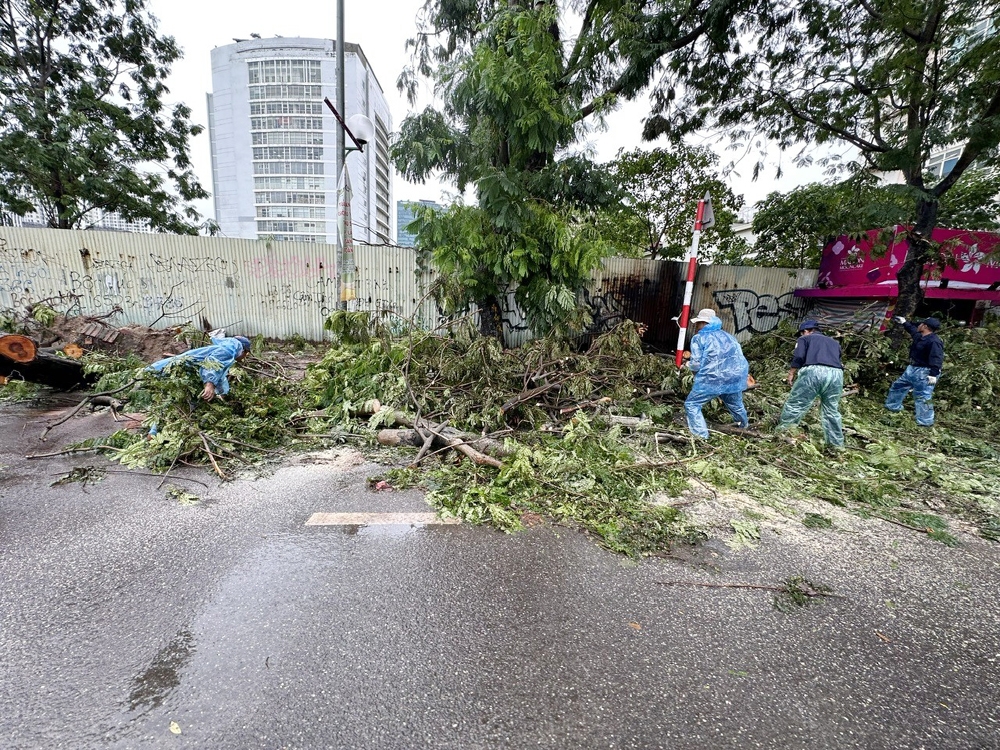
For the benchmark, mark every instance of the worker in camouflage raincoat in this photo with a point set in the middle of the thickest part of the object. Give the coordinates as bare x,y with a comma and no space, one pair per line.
815,372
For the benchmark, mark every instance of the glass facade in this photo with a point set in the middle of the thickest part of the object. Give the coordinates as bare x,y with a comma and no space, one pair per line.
383,228
404,215
286,130
941,163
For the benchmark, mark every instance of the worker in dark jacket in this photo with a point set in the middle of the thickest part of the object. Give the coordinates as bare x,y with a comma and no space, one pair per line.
820,374
921,375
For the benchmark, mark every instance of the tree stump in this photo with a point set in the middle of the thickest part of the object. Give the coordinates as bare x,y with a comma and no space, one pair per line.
17,348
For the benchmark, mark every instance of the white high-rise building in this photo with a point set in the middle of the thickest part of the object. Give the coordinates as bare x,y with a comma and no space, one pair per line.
274,163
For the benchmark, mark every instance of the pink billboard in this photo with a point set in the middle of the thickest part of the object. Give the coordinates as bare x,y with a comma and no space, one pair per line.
849,269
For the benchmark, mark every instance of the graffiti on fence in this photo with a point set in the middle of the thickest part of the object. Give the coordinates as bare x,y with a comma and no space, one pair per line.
606,308
758,313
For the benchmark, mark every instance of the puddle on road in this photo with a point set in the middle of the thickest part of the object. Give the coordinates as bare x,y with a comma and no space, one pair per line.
152,687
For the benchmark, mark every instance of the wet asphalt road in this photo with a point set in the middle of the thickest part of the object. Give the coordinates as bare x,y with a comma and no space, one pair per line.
123,610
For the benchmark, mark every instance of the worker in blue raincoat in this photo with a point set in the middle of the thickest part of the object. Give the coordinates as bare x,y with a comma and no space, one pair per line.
213,363
720,371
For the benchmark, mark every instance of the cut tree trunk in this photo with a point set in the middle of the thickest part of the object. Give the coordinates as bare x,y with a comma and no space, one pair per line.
47,369
16,347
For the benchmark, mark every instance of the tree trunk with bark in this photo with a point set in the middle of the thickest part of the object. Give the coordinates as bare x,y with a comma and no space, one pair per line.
922,251
45,368
490,317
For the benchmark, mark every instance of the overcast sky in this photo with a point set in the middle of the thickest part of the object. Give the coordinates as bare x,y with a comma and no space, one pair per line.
381,27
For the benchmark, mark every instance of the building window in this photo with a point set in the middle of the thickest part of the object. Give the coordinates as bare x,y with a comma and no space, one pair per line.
287,152
288,167
278,123
942,162
289,183
291,212
290,137
307,199
287,108
269,227
284,71
285,91
382,225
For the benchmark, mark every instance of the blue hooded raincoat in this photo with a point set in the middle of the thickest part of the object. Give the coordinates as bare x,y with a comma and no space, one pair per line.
717,361
213,362
720,370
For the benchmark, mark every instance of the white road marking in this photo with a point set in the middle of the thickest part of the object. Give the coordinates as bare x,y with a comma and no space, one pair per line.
371,519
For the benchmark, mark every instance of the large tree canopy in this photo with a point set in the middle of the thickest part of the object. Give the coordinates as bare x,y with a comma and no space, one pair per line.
84,127
517,83
660,192
895,79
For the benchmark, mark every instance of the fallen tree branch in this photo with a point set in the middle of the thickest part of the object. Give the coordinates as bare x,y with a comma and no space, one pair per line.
67,451
672,437
596,402
87,400
530,394
211,456
811,592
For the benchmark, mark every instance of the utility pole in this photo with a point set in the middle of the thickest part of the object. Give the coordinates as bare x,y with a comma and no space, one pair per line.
341,152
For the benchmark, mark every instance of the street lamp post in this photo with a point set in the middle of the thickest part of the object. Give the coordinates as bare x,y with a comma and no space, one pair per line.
361,131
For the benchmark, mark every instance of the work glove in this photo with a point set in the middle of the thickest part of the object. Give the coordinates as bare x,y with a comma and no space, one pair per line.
898,319
932,379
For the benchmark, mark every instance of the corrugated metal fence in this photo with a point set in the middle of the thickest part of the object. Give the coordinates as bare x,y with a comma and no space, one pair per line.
282,289
276,289
749,299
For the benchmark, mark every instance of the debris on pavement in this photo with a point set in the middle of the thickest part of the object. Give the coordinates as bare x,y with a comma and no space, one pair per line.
593,439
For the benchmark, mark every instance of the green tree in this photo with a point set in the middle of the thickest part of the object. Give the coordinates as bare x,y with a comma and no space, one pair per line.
793,227
519,85
84,125
660,191
894,79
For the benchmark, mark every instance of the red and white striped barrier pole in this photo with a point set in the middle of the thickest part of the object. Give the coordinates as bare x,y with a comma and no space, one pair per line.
692,260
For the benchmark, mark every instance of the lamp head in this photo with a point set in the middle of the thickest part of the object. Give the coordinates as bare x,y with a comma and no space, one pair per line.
362,128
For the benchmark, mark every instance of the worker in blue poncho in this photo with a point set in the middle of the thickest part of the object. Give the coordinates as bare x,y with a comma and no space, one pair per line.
213,363
720,371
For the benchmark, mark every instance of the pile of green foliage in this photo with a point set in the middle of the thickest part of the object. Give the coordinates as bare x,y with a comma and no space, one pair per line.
258,418
891,468
570,458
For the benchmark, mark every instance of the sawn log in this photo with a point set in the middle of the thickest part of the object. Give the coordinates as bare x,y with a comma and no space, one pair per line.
480,450
61,373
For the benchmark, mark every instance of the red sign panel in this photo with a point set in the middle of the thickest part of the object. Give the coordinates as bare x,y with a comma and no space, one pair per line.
849,268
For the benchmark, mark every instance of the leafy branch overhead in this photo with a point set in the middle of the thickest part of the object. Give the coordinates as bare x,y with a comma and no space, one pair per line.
660,189
86,126
519,85
792,228
894,81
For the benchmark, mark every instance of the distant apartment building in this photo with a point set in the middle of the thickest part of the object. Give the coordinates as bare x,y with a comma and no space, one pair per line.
275,166
107,222
404,215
